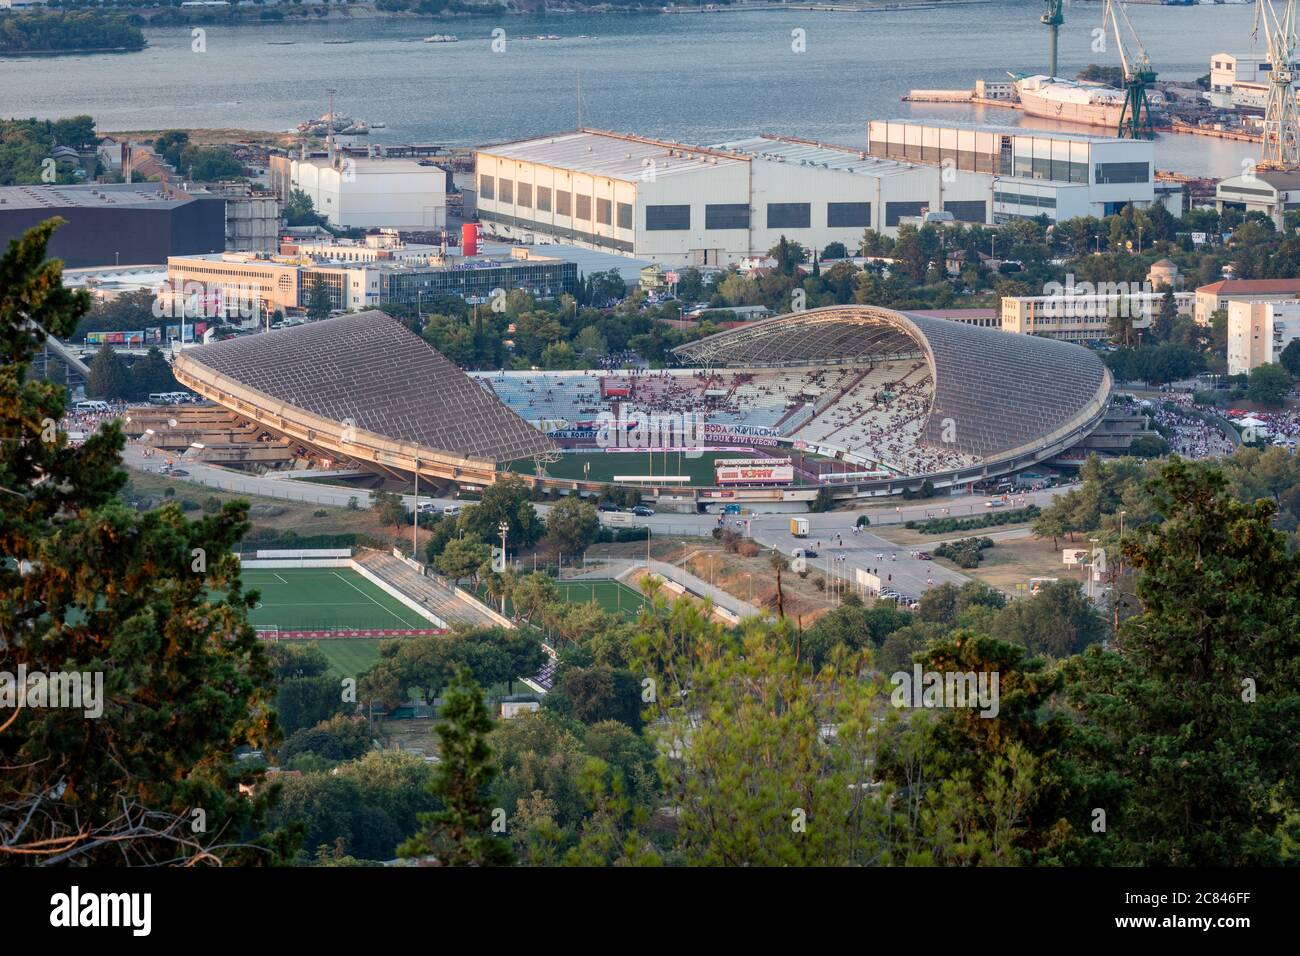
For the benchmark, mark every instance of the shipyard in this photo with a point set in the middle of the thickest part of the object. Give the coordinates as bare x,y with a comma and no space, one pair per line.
529,434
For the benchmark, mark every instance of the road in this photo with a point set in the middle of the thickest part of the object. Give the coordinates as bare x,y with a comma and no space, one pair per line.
840,552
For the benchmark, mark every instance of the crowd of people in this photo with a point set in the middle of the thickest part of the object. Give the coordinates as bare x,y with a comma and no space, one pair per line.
1189,435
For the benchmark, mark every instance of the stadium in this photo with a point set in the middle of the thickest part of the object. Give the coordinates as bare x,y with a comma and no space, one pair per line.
866,400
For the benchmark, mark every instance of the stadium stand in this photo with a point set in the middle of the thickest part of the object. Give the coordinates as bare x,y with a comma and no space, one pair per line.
366,387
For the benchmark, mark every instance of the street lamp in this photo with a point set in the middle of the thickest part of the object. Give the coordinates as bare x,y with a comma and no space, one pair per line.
415,516
504,528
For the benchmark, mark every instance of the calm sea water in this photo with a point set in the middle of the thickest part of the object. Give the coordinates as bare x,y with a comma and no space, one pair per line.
696,78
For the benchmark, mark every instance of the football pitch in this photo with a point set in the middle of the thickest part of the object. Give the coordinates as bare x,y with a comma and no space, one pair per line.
603,466
612,596
311,599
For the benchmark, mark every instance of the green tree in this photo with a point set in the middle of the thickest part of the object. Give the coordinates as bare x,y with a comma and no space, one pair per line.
505,500
109,376
462,558
1188,724
319,301
461,834
572,524
1269,385
150,603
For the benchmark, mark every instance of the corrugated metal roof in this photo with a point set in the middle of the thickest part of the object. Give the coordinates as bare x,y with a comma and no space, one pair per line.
795,152
613,155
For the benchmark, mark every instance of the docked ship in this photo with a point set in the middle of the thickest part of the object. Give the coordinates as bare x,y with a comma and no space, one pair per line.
1071,102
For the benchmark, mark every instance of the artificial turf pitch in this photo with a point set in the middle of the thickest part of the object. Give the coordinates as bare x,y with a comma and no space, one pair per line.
312,599
612,596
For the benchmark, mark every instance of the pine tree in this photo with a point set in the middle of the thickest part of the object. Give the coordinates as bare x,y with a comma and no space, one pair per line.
461,834
109,377
148,608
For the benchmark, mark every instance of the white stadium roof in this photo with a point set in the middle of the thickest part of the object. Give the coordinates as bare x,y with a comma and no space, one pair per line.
614,155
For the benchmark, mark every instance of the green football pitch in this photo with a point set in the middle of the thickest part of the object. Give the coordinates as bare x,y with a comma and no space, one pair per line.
348,656
603,466
613,596
310,599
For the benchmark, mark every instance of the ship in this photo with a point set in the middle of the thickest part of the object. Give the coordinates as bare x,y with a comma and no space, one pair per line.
1072,102
441,38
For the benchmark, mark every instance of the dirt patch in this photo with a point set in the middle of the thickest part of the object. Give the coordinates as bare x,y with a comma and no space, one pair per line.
1009,564
754,581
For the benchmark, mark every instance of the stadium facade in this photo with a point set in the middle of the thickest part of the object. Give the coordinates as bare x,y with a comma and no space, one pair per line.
871,401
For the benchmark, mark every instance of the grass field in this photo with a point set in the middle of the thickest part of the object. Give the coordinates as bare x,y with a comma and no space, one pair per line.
348,656
605,465
317,598
614,596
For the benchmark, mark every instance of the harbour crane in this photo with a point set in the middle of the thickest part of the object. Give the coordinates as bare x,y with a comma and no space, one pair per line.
1281,141
1052,19
1135,118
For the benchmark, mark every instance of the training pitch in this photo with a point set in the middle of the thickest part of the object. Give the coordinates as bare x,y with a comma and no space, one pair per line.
612,596
311,599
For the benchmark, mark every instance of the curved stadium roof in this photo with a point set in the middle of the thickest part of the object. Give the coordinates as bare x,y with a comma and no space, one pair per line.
1003,392
368,371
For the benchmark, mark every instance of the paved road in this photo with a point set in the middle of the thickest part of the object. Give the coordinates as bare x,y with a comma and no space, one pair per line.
840,552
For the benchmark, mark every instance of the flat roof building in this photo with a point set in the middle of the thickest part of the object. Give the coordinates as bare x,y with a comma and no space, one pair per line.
685,205
366,192
1258,332
1272,192
116,224
1029,172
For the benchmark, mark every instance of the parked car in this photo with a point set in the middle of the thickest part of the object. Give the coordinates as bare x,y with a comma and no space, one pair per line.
643,511
178,473
803,553
607,506
924,555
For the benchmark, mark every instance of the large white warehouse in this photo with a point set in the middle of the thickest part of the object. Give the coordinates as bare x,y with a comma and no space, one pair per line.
705,205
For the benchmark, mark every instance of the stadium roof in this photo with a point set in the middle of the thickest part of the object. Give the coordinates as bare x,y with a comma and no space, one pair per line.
995,392
369,371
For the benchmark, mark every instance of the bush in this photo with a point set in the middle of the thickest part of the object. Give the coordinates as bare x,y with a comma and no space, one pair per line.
748,548
863,521
992,519
189,504
211,505
319,513
966,553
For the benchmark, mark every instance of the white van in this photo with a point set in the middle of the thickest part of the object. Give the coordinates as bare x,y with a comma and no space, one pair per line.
452,511
91,405
161,398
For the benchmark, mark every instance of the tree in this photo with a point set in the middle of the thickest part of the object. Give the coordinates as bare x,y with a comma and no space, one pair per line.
109,377
1269,385
572,524
319,301
1188,724
1057,621
461,833
149,607
1291,358
835,250
462,558
597,693
505,500
299,210
389,507
152,374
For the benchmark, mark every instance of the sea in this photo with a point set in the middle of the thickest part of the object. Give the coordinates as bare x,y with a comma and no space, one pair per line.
697,78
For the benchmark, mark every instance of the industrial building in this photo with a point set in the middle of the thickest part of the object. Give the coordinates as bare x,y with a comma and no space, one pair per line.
1270,191
1028,172
676,204
249,285
116,224
366,192
1259,331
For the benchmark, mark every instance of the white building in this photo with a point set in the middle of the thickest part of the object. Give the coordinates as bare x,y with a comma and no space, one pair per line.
1258,332
1082,314
703,205
367,192
1028,172
1272,192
